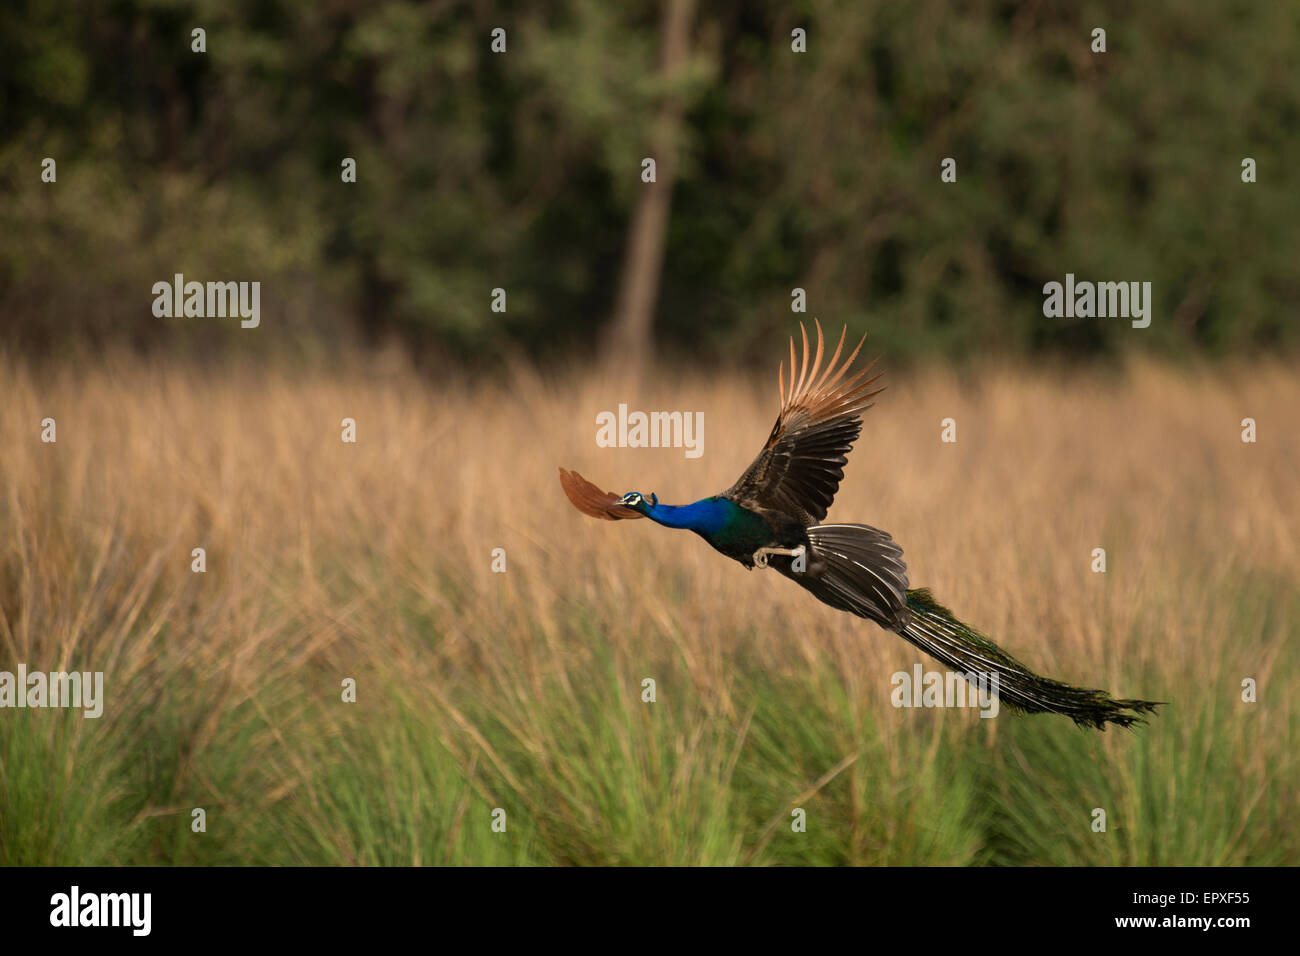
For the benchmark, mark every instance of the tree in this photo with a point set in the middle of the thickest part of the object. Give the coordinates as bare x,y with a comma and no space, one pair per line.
630,335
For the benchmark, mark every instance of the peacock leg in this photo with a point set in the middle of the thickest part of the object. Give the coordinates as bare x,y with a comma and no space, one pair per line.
761,555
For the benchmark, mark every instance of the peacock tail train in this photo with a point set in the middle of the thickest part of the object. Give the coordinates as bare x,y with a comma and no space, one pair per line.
935,630
859,569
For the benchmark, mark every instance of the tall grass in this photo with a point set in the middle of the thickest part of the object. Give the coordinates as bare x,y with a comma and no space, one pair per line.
523,690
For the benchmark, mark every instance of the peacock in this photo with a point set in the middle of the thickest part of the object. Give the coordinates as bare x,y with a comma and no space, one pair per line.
771,518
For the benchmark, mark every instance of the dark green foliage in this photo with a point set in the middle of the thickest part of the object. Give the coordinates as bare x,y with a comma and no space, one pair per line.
519,171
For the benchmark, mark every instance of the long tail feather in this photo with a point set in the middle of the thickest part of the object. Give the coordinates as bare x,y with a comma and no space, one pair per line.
935,630
859,569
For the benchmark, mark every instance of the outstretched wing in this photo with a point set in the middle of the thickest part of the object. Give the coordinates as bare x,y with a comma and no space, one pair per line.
590,500
858,569
801,466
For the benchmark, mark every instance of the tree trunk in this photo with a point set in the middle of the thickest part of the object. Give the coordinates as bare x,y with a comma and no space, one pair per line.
629,340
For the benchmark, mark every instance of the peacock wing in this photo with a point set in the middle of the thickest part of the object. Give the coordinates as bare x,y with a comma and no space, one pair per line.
590,500
801,465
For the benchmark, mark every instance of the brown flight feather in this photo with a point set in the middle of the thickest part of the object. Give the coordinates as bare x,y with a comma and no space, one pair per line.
801,465
590,500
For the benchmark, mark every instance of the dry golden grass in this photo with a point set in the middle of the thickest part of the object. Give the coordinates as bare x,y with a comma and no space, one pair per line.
327,560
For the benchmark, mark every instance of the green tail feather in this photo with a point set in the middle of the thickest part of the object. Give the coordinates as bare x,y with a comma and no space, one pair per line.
935,630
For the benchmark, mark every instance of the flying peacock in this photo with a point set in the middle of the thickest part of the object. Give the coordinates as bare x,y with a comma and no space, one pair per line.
771,517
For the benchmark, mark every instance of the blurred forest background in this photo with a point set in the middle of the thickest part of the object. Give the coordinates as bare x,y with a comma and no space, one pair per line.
522,170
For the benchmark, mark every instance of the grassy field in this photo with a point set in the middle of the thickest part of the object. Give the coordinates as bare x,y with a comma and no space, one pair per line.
522,690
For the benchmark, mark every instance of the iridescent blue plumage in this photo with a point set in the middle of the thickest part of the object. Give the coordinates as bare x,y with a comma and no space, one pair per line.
735,531
706,516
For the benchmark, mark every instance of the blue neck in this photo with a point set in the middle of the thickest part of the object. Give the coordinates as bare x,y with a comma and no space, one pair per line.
707,516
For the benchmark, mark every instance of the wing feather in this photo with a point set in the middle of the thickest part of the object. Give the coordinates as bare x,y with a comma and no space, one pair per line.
591,501
801,465
860,570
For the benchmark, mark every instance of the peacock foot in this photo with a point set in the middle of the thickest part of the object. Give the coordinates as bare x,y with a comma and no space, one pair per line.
761,555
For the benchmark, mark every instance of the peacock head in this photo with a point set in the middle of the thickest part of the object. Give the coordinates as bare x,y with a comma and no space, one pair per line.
639,502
